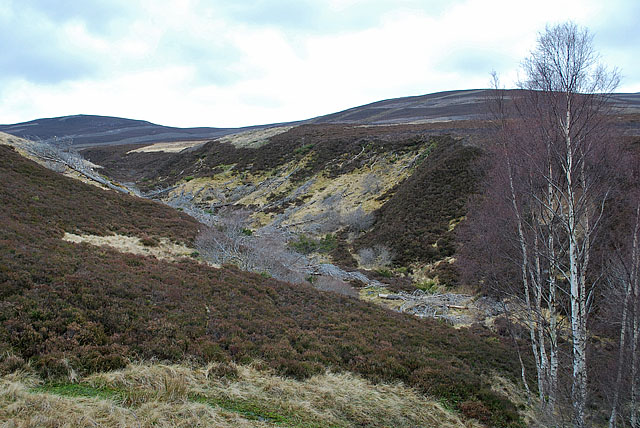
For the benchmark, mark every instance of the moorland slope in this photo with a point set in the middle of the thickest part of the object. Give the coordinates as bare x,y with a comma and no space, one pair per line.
69,310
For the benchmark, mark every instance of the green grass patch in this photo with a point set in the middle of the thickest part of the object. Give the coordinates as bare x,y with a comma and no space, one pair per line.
80,390
254,411
248,409
429,286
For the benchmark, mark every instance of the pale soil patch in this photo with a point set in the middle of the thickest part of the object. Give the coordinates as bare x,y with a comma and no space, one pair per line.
77,176
22,147
255,138
15,142
164,249
170,147
223,396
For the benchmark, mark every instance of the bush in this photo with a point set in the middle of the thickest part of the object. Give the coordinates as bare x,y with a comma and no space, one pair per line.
149,241
307,245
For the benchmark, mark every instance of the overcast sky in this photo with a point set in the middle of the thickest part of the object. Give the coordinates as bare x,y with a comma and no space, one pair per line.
247,62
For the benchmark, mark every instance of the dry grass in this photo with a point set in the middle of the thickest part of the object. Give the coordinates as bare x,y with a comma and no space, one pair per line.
216,395
171,147
255,138
17,143
161,249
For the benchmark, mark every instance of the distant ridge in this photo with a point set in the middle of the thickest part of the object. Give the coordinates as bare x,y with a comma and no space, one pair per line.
89,130
440,106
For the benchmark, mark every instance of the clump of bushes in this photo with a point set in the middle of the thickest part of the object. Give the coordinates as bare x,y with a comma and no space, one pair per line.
303,150
307,245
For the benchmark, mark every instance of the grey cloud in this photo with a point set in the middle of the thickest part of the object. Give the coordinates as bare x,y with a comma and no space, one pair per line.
473,60
39,55
287,14
619,28
213,60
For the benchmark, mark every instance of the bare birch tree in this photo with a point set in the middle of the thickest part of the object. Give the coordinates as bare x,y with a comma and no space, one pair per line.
526,197
623,276
552,149
566,101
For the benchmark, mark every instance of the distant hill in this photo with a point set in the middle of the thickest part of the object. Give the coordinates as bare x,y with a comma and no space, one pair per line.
450,106
87,130
441,106
438,107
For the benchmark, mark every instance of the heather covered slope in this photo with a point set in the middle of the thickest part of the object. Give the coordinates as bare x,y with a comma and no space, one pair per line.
418,220
411,180
80,308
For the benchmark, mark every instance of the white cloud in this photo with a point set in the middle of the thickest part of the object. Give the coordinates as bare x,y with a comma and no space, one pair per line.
196,63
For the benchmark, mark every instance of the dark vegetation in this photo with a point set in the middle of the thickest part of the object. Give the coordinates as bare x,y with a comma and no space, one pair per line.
307,245
90,308
415,223
32,195
337,149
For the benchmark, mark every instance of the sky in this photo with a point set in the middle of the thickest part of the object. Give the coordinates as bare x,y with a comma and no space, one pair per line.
246,62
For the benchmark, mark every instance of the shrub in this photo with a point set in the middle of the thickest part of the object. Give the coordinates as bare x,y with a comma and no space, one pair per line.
149,241
307,245
303,150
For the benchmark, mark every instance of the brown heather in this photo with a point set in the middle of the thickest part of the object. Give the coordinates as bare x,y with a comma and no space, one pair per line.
74,309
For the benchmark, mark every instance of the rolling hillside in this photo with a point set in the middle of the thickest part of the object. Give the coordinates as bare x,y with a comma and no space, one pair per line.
69,310
365,202
451,110
87,130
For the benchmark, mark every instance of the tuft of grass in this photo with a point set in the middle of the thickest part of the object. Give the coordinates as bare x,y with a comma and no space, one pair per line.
429,285
149,241
142,395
